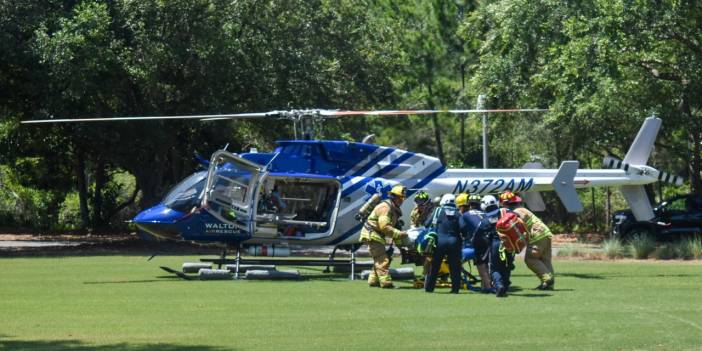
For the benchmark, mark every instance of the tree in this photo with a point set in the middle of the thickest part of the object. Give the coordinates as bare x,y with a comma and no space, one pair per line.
126,58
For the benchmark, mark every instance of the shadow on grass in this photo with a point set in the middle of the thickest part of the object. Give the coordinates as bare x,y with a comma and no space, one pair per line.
529,295
128,281
77,345
677,275
581,275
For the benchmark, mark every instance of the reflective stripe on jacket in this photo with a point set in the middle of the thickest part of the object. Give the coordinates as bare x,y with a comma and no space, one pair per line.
537,229
419,215
381,223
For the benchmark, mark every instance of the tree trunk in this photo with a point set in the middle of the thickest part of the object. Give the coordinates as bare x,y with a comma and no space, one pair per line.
435,123
150,180
79,172
695,181
100,182
608,209
694,137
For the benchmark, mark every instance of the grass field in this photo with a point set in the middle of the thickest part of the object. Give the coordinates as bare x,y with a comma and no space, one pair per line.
127,303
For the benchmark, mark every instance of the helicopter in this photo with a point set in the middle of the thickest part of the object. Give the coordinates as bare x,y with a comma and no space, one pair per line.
308,192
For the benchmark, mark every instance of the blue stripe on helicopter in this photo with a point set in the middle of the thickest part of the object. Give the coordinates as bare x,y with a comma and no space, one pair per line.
419,185
368,165
350,232
379,173
426,180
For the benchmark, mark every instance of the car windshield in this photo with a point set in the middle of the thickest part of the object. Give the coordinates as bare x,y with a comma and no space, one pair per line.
185,195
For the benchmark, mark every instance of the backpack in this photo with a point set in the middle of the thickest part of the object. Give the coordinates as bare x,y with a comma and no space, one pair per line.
511,231
426,243
485,232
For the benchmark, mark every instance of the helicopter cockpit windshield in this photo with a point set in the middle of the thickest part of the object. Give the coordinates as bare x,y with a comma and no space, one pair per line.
186,195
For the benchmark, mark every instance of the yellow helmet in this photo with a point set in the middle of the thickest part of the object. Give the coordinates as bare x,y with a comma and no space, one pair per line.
462,199
398,191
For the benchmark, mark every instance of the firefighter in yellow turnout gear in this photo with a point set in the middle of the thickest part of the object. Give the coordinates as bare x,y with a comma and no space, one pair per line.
379,226
423,208
538,251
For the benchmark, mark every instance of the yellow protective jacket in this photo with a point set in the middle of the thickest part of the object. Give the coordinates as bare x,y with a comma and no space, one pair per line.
419,215
381,223
536,228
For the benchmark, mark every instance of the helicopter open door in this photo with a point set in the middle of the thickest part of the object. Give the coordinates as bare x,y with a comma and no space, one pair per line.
230,190
296,206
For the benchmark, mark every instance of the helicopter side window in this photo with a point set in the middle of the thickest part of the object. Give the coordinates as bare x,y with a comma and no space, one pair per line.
186,194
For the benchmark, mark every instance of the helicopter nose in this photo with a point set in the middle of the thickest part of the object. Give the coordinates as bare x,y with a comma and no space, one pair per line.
159,221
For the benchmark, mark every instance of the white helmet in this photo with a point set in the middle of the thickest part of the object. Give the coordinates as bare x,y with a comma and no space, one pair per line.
448,199
487,201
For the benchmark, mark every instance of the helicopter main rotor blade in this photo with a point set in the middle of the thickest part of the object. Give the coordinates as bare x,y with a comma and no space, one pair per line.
292,114
200,117
334,113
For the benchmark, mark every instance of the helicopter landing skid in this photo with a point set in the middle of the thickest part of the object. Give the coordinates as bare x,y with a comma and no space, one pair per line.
177,273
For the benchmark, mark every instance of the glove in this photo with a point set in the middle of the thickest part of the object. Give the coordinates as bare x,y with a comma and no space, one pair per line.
400,223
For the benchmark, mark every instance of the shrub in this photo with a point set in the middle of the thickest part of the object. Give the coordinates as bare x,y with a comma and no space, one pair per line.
689,248
613,248
641,246
570,250
69,212
666,252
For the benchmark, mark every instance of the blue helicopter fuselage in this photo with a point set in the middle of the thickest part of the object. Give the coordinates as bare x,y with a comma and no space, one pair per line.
350,173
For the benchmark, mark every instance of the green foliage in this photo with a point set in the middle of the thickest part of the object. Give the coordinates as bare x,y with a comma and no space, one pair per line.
570,250
613,248
596,65
69,213
666,252
689,248
600,67
22,206
641,246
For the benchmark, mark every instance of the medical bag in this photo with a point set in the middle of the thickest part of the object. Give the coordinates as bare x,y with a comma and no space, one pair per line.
511,231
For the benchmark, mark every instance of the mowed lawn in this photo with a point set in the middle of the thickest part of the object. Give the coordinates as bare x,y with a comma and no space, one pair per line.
127,303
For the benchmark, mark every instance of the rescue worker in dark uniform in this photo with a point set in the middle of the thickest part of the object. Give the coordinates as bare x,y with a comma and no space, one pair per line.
501,262
447,225
472,218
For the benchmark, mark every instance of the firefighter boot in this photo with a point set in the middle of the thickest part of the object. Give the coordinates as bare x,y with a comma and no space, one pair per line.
373,280
387,285
501,291
547,282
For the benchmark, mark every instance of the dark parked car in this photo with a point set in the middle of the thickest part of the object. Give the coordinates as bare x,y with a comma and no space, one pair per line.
674,218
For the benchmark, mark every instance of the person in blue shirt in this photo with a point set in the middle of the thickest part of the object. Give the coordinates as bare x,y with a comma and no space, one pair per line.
501,262
449,232
479,242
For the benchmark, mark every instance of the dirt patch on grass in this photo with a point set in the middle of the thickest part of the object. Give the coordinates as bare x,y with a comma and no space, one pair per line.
584,238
